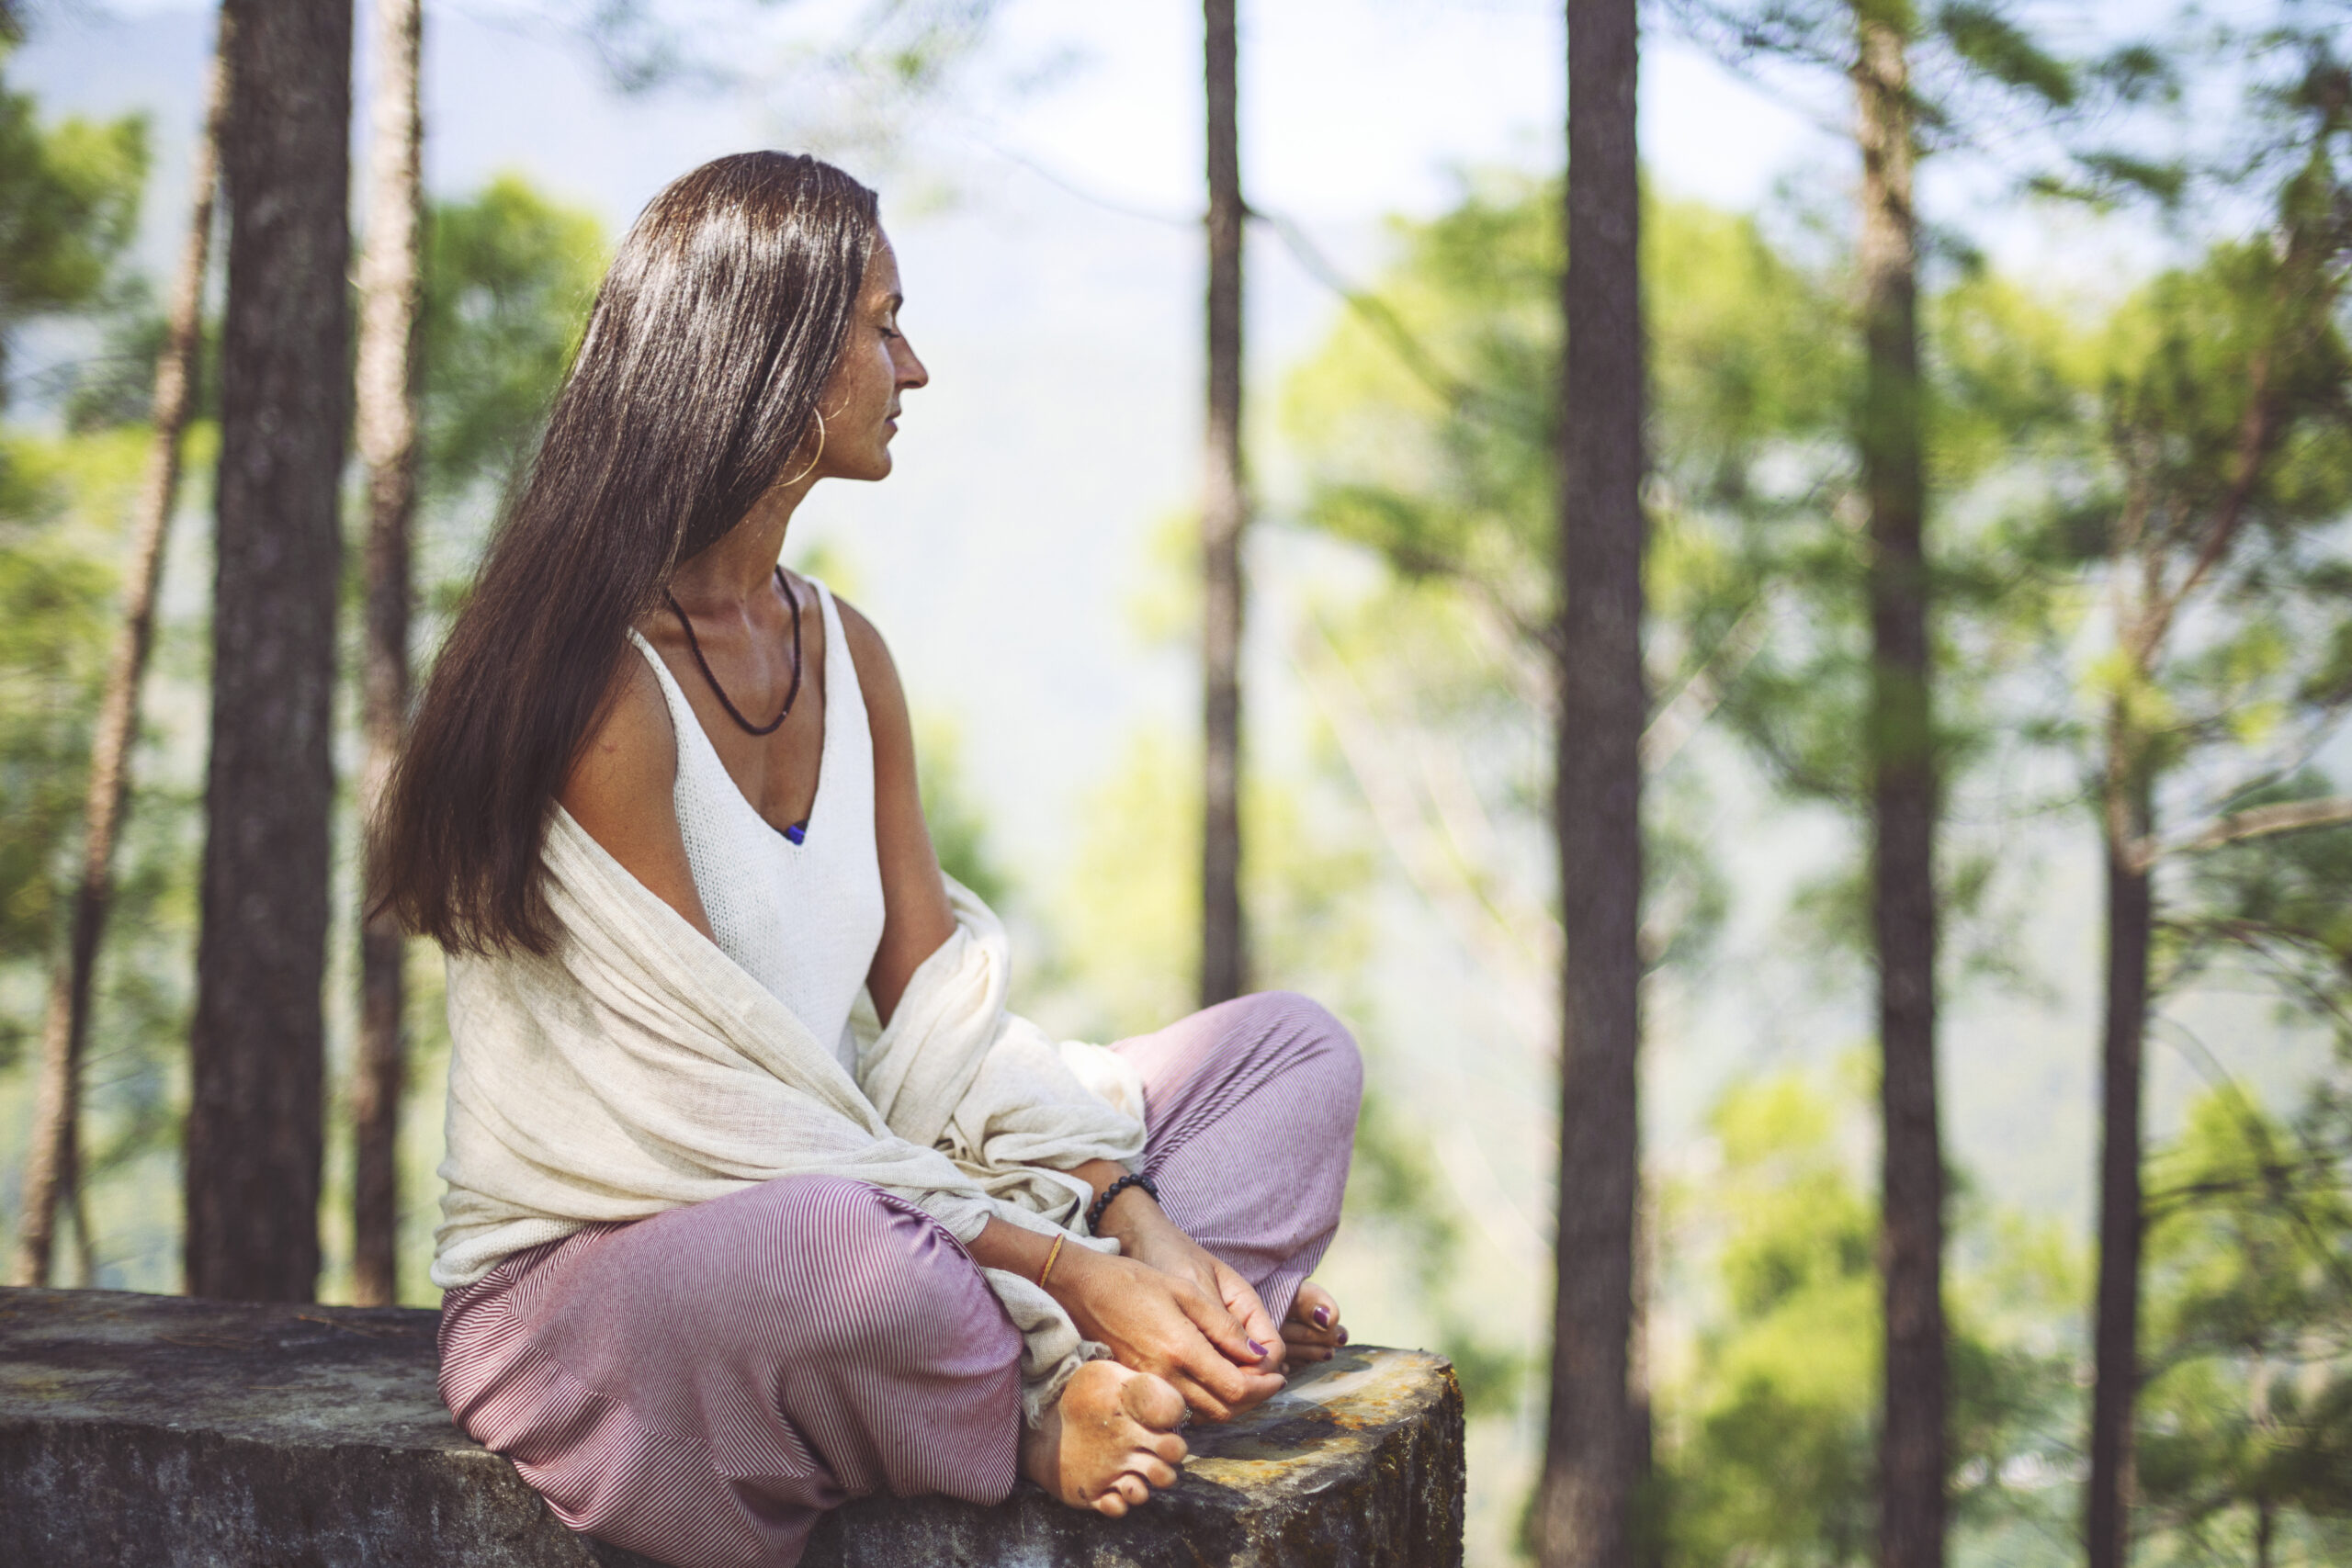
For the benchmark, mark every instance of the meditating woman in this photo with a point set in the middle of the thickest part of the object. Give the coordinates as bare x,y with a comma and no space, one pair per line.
759,1199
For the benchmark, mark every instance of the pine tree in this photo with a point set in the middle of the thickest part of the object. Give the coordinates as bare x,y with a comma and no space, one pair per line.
1225,511
391,299
1596,1449
256,1045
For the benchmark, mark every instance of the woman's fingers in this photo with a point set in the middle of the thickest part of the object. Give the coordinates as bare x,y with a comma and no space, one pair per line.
1219,1325
1218,1391
1204,1404
1249,1312
1232,1388
1159,1323
1240,1375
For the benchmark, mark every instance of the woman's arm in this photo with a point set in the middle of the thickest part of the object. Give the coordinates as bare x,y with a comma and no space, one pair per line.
916,916
620,787
1169,1307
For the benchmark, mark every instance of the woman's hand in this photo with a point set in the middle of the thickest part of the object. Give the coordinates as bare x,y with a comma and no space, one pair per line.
1147,1234
1172,1328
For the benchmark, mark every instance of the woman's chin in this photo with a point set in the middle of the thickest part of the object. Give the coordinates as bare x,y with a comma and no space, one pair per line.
875,466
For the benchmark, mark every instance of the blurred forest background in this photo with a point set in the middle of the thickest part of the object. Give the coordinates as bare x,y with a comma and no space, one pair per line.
2136,226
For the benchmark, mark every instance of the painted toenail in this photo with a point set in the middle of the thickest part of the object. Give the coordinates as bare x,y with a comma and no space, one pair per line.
1344,1337
1322,1317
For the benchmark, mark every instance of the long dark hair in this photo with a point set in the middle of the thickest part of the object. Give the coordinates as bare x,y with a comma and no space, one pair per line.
718,324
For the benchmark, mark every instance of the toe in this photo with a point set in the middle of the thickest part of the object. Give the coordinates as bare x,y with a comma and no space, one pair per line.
1158,1476
1152,1402
1314,1307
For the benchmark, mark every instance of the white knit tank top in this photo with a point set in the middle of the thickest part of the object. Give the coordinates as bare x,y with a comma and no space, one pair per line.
803,919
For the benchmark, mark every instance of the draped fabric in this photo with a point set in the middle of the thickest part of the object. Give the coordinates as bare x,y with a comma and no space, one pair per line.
703,1385
637,1068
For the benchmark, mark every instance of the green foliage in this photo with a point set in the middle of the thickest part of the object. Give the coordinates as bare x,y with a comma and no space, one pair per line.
1981,37
1770,1452
2203,468
1127,918
2201,351
1397,1202
1767,1444
69,197
509,277
61,538
1442,465
115,385
2246,1417
69,200
1755,573
54,594
2275,904
958,829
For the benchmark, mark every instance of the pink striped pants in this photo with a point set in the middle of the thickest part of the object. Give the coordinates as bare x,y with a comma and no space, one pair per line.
700,1386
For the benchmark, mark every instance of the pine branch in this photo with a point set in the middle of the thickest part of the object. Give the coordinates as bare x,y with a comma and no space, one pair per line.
2263,822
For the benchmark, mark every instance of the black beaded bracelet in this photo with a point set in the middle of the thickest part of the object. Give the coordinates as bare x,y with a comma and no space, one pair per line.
1102,1205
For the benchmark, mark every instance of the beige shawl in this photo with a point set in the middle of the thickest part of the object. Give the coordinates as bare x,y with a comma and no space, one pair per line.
639,1068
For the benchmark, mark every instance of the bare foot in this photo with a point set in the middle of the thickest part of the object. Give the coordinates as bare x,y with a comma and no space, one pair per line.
1312,1330
1108,1441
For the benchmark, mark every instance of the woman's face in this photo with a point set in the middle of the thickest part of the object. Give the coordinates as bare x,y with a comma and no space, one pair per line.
860,403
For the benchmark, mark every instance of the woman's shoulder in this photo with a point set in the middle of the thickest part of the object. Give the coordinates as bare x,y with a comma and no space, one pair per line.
877,673
629,759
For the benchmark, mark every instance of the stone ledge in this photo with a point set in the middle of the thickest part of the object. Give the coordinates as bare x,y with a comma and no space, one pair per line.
156,1430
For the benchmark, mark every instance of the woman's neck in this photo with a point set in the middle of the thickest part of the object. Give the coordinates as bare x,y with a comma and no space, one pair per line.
741,564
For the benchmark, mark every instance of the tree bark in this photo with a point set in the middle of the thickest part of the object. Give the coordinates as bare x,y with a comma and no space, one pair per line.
2131,909
1225,969
390,313
1593,1452
1903,813
255,1050
53,1170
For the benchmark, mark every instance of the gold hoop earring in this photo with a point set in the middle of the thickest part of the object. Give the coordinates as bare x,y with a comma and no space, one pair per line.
820,450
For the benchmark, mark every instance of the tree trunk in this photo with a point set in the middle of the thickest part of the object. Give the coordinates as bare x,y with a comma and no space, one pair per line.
1225,969
2115,1385
1593,1448
390,300
255,1050
53,1170
1903,815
